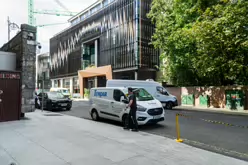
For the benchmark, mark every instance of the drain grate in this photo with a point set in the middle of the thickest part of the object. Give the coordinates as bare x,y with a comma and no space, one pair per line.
53,115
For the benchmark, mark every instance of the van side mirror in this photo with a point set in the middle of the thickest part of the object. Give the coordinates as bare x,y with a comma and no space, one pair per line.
124,100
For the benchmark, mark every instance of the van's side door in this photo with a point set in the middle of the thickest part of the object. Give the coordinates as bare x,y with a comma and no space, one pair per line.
102,103
117,105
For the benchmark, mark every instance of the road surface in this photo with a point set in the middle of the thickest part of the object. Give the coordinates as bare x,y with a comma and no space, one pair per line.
197,131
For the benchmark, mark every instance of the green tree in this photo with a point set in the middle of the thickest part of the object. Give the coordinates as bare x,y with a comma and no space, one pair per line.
222,35
203,41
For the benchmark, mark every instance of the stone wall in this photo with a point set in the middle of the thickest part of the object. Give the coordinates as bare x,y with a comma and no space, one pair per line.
24,45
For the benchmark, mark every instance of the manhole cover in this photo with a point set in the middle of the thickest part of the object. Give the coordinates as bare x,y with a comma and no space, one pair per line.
53,115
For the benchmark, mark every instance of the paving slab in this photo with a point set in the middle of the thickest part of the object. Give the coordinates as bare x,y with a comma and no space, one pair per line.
46,138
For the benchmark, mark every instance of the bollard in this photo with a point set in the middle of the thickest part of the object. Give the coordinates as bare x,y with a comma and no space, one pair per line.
178,130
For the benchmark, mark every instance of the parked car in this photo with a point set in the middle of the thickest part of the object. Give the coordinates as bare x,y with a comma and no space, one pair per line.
154,88
53,101
64,91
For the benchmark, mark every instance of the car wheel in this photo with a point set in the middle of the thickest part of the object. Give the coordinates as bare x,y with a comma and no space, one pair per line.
169,105
22,115
94,115
68,109
124,120
49,107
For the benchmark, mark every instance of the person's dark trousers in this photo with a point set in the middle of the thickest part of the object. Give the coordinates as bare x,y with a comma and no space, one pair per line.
133,119
128,122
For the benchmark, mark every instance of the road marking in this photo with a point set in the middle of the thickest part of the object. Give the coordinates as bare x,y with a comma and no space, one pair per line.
222,150
212,148
212,121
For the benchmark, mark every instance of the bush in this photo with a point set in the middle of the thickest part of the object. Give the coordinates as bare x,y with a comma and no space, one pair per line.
86,93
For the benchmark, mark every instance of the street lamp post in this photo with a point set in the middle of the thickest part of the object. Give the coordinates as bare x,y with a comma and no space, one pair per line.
11,26
43,79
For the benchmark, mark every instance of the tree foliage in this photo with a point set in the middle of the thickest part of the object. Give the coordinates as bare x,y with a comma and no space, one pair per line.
205,42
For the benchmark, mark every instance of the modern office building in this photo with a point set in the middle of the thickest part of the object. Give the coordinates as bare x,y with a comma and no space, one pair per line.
108,35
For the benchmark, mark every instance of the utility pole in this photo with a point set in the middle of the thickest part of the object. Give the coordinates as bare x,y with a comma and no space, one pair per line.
8,28
43,79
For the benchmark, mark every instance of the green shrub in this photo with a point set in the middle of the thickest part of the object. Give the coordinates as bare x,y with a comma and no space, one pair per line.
86,93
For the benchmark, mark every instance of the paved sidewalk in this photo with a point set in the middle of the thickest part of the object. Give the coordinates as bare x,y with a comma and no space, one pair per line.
213,110
50,139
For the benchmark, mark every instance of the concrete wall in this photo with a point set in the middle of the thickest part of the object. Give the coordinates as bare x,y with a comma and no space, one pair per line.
216,94
24,45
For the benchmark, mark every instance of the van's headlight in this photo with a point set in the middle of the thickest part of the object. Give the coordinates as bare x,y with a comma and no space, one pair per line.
140,108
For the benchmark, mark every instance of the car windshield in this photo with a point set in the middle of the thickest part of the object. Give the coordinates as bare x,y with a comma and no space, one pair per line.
55,95
38,91
65,91
142,95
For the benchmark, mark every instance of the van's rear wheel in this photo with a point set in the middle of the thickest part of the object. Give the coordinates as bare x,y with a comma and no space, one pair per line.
94,115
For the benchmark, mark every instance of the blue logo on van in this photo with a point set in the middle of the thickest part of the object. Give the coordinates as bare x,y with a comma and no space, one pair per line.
100,94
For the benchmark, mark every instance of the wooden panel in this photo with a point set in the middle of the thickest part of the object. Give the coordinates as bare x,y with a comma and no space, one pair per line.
10,105
2,88
11,100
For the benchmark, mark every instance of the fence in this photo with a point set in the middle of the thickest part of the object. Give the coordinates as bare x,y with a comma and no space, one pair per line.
229,97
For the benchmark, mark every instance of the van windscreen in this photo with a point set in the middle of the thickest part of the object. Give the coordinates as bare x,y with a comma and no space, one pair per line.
142,95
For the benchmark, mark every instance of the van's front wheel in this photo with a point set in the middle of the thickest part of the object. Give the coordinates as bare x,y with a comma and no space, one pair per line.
125,121
94,115
169,105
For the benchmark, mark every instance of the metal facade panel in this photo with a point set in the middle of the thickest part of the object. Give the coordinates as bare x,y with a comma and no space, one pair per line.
123,41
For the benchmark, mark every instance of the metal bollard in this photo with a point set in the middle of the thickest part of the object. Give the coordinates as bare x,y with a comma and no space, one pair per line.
178,130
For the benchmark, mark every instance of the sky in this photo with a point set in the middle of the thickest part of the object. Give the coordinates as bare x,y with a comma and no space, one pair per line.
17,10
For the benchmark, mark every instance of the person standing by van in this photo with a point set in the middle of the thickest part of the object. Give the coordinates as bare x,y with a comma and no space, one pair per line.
132,121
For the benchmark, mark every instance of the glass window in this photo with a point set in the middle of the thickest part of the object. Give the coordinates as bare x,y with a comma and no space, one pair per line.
105,3
82,17
56,95
118,94
142,95
56,83
66,83
162,91
76,85
64,91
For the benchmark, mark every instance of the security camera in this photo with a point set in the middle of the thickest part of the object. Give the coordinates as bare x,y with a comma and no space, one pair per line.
39,45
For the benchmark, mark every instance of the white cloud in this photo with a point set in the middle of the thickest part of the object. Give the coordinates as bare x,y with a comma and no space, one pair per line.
17,10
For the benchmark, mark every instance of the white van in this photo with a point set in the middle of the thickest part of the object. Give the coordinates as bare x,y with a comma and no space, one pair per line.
64,91
154,88
110,103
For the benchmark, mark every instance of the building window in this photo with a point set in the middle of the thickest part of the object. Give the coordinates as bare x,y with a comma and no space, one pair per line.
76,85
82,17
94,9
56,84
105,3
66,83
